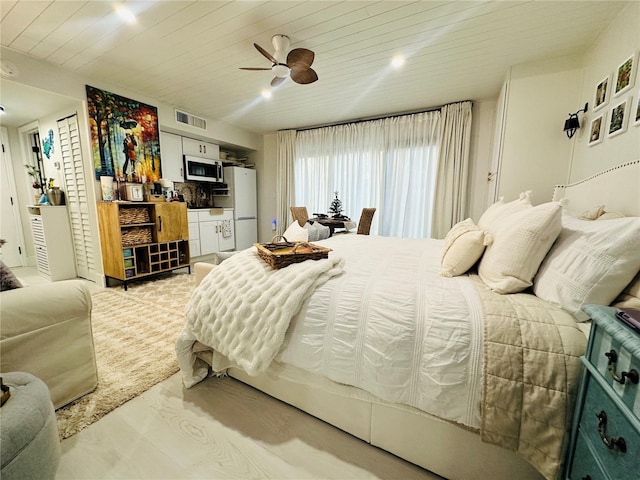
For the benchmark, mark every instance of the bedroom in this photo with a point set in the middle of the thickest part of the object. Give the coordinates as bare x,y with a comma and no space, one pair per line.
566,82
544,90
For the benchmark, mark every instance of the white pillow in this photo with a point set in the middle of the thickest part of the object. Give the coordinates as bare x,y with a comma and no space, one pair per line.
630,296
520,242
296,233
593,213
316,231
463,246
498,210
592,262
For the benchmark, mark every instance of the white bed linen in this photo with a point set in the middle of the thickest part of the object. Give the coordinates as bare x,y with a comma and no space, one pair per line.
392,326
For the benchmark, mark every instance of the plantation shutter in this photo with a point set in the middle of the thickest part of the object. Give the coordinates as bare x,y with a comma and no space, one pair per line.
76,196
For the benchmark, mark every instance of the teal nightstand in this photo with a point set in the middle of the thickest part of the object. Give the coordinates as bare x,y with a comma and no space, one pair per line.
605,439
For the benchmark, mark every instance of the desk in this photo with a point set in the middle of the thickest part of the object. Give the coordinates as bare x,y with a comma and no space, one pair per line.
334,223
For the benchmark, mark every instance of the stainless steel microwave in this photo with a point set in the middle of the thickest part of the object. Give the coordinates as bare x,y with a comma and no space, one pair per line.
202,169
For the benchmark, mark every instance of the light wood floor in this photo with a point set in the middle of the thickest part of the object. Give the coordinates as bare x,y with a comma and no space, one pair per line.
221,428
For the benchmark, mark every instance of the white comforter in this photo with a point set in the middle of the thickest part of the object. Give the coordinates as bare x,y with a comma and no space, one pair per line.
391,325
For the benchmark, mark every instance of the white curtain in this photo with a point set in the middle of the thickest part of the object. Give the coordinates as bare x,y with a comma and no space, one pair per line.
389,164
285,182
450,206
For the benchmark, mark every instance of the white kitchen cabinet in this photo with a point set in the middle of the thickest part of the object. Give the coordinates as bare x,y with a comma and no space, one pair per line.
194,233
199,148
216,230
51,230
171,155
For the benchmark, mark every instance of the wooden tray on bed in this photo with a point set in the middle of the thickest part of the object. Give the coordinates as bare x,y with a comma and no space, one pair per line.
283,254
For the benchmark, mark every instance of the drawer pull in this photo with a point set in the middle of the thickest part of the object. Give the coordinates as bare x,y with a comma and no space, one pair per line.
611,366
610,442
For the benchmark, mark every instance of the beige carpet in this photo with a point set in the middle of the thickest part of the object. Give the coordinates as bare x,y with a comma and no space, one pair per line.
134,333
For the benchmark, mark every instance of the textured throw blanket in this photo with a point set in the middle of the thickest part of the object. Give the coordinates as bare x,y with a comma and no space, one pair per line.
532,372
243,307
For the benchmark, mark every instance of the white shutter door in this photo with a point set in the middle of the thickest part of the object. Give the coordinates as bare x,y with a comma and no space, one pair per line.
76,196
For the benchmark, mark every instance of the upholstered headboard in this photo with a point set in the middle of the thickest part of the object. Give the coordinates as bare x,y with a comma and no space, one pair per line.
617,188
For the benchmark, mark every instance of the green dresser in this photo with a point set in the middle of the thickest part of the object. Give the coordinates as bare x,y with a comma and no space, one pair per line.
605,440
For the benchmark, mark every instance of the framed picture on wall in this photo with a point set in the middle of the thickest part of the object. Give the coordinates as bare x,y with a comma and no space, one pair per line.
625,74
596,131
636,110
618,119
125,137
602,94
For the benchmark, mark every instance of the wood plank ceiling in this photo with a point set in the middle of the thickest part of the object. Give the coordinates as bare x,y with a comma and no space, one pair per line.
187,53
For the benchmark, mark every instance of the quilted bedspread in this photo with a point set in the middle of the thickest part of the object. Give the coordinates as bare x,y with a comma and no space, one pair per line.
531,376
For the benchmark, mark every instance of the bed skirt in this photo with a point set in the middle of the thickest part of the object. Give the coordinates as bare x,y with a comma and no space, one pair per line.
441,447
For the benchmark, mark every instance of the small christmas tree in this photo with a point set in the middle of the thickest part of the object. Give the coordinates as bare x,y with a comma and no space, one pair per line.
336,206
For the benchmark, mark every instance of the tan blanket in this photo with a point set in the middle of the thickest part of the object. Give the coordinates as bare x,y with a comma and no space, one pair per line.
531,376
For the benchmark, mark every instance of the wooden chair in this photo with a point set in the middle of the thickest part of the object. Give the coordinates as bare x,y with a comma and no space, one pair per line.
366,217
300,214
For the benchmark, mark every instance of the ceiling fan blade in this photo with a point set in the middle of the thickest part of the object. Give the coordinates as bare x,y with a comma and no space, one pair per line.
303,75
254,68
277,81
265,53
300,57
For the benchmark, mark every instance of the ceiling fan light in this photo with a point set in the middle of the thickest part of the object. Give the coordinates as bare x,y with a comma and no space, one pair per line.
280,70
266,93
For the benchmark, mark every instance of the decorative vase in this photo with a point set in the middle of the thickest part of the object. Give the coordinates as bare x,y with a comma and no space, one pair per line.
36,198
56,196
106,184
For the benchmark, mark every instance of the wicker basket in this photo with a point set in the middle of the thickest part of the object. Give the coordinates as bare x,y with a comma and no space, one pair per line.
283,254
136,236
132,215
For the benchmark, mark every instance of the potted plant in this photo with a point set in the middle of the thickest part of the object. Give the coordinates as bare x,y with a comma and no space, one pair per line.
36,180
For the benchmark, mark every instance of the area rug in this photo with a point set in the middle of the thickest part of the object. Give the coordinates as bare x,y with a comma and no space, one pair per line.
134,333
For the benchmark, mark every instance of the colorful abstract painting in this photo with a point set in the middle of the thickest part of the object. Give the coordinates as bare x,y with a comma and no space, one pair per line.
125,139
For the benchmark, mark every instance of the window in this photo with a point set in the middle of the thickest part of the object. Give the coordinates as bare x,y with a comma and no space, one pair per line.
389,164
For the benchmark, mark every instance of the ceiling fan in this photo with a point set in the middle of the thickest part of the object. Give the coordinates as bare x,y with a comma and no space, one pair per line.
295,64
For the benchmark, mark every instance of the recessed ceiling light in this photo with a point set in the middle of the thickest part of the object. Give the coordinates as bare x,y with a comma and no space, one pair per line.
397,61
266,93
126,14
8,69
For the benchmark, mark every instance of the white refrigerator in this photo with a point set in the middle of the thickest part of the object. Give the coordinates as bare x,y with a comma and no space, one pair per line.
243,199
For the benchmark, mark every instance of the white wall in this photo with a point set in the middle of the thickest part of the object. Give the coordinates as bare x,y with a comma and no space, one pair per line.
536,152
483,126
266,187
611,48
49,77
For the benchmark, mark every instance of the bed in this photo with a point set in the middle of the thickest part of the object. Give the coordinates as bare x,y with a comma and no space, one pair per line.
483,389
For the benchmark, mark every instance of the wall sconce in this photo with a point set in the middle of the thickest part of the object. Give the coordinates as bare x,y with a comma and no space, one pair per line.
572,123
